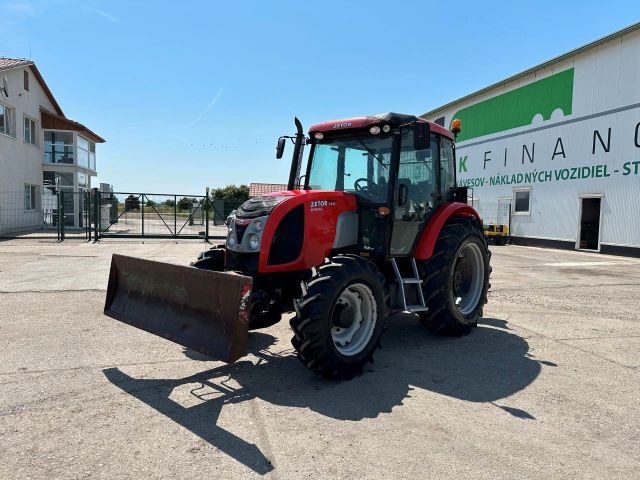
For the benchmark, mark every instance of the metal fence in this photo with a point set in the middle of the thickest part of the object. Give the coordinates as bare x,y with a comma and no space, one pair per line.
45,212
494,213
58,213
154,215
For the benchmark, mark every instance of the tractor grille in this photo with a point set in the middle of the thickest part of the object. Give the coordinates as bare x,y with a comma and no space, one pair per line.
240,229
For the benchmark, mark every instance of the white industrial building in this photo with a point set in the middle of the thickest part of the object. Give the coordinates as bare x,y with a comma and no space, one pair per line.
41,153
559,146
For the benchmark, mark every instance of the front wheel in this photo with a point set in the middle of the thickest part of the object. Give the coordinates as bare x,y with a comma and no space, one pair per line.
456,278
339,319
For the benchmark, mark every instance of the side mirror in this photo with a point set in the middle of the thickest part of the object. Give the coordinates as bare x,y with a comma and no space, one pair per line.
421,136
280,148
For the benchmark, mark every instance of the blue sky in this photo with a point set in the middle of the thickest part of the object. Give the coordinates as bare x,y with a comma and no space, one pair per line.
195,93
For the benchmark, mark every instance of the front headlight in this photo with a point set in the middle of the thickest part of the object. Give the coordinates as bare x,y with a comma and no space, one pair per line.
253,241
231,241
258,225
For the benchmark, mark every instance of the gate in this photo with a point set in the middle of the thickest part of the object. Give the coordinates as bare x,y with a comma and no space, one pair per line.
153,215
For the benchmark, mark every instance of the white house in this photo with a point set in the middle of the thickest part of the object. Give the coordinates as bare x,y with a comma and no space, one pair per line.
42,152
559,144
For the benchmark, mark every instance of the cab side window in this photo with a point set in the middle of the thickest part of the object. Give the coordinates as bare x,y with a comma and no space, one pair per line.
447,165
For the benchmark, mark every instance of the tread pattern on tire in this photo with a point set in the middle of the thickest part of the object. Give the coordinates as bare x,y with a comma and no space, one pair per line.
435,272
311,324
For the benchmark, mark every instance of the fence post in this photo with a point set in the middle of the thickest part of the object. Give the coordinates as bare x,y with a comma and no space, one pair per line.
61,215
509,239
206,217
142,207
58,211
175,216
85,217
96,214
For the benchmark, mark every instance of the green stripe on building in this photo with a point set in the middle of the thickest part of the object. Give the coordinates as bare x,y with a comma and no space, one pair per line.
517,108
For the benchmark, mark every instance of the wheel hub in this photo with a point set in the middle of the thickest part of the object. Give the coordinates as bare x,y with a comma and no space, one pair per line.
343,315
353,319
468,278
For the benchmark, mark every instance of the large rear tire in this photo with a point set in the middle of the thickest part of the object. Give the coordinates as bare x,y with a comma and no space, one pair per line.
456,278
339,319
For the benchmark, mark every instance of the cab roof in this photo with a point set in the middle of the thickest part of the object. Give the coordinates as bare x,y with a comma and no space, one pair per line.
390,118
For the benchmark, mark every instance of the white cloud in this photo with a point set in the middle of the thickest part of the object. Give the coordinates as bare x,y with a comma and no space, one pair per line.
102,13
206,110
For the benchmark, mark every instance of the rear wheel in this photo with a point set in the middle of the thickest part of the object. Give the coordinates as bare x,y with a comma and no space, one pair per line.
339,319
456,278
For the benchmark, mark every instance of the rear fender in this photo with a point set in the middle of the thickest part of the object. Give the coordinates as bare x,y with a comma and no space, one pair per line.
430,234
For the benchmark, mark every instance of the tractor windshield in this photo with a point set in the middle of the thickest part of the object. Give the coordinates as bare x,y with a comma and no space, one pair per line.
356,164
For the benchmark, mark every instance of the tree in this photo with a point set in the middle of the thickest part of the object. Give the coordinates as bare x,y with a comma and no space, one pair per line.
236,192
170,203
185,203
150,203
132,203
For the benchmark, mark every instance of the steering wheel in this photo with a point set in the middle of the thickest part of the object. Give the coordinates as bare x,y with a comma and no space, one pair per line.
359,187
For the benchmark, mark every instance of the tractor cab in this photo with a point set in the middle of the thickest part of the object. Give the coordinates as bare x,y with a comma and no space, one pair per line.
400,168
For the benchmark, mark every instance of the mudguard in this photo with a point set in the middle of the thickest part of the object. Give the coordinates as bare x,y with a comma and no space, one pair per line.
424,248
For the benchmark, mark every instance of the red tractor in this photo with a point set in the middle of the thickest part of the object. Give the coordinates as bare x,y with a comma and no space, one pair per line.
375,225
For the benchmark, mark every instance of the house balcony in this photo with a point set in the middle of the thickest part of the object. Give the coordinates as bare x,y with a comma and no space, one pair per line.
68,143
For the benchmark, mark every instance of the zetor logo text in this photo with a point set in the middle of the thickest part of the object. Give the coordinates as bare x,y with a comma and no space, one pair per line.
318,205
342,125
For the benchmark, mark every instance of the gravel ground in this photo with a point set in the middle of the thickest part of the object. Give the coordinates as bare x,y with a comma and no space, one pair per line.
546,387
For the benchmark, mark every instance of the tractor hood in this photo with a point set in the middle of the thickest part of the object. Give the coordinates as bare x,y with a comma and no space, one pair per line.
260,206
291,230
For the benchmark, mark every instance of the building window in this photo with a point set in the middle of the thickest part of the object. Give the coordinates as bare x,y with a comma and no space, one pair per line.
522,201
7,121
30,197
30,131
58,147
86,153
26,80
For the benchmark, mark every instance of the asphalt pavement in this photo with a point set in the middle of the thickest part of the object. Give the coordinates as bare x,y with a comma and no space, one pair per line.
548,385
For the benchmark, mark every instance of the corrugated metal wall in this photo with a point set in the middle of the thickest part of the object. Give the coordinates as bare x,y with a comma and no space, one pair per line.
605,95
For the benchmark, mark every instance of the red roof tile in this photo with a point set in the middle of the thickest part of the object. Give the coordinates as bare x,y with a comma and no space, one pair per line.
10,63
256,189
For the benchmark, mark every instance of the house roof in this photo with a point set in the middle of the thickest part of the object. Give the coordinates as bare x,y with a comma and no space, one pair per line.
256,189
7,63
59,122
559,58
57,119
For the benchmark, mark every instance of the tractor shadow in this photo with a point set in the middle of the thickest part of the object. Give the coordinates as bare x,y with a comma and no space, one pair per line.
487,366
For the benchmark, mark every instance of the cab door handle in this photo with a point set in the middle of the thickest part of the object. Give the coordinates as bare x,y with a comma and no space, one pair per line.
403,194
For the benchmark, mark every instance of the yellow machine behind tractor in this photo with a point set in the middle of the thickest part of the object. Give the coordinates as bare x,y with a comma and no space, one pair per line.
497,234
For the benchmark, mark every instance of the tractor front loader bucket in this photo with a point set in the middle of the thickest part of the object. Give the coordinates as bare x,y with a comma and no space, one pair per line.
199,309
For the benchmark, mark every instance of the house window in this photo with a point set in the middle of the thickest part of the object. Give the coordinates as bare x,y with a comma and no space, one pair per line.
26,80
58,147
30,197
86,153
522,201
30,131
7,121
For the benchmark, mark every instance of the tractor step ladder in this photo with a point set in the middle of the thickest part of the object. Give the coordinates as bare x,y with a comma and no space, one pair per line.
414,281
